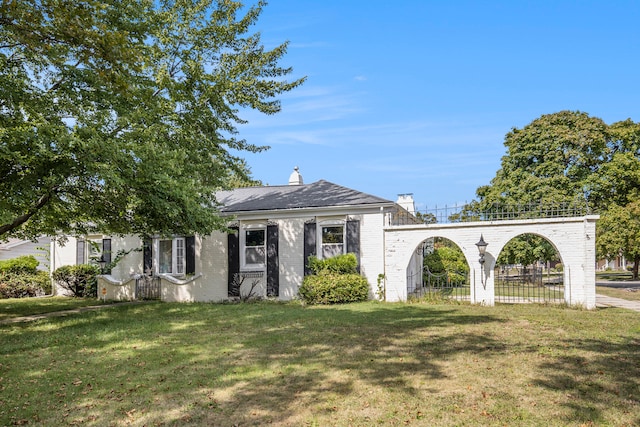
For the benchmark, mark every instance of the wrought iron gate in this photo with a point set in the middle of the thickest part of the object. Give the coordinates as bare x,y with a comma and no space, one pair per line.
528,284
148,287
449,284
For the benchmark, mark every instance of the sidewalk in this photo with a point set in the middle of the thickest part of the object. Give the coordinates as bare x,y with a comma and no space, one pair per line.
603,301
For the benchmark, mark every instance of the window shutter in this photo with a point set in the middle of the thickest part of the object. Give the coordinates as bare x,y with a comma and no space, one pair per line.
353,239
106,253
80,251
273,272
147,257
233,256
309,245
190,255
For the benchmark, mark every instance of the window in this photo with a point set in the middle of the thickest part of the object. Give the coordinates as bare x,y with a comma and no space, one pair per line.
332,240
253,244
171,256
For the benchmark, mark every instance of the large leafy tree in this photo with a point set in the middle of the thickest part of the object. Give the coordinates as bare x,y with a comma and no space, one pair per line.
548,161
619,233
122,115
571,157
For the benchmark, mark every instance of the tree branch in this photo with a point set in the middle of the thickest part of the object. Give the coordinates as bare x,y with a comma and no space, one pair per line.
5,228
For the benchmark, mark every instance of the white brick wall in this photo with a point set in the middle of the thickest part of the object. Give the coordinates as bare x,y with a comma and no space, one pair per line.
574,238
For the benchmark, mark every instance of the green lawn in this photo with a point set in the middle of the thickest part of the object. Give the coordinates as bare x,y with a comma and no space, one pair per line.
352,365
17,307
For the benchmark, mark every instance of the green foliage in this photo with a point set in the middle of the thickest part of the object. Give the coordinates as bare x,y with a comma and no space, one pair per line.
527,249
81,280
122,115
549,160
21,264
447,258
619,233
339,264
20,278
331,288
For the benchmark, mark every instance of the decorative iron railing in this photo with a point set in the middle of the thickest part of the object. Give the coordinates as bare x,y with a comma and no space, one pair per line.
470,212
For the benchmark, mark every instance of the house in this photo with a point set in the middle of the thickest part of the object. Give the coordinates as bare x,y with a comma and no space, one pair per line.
14,248
272,231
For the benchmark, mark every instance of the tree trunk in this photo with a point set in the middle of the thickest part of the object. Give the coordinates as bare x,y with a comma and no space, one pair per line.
636,261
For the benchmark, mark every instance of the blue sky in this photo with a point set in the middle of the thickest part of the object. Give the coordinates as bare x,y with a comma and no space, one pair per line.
416,96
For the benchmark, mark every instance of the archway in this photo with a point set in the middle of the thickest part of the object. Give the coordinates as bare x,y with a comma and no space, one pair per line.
574,238
529,269
438,269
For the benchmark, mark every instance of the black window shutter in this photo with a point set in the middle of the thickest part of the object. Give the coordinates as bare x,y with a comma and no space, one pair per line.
309,244
190,243
147,257
273,273
233,254
80,251
106,253
353,239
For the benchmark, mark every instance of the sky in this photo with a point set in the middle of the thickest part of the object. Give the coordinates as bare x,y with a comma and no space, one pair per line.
416,96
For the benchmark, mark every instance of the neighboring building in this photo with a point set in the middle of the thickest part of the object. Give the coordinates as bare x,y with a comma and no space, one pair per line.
14,248
272,232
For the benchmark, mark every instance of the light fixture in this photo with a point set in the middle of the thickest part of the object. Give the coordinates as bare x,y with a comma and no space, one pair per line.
482,248
102,262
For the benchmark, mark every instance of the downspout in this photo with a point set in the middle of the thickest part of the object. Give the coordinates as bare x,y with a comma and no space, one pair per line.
384,256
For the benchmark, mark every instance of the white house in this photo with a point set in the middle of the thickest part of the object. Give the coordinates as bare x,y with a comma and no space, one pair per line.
273,231
14,248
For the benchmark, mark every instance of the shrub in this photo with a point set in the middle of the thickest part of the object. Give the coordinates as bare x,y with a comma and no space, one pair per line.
334,289
21,264
81,280
339,264
19,278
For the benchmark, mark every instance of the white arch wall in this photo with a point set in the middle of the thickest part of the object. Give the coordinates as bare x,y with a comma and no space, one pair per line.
574,238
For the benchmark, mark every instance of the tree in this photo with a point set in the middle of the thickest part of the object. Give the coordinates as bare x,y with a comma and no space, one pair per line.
619,233
527,249
121,116
569,157
548,161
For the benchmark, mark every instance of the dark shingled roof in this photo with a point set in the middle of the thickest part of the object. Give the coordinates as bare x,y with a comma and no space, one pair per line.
316,195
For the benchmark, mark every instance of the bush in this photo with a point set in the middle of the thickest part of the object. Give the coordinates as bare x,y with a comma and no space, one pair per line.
339,264
334,289
19,278
81,280
21,264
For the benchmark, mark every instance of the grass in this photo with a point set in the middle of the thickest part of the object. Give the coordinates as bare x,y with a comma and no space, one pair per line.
351,365
17,307
616,276
619,293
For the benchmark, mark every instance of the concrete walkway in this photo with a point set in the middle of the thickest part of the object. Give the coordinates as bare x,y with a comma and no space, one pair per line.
603,301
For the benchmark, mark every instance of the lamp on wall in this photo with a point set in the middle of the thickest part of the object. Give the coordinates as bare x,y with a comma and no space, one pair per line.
482,249
102,264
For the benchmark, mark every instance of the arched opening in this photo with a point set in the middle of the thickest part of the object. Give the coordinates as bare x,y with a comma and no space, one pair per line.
438,269
529,269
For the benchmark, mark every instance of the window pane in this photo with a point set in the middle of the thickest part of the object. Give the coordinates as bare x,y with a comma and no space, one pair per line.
333,234
254,238
164,256
179,256
331,250
254,255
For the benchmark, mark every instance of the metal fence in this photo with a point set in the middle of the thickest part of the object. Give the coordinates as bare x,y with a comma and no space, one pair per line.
147,287
447,285
528,284
469,212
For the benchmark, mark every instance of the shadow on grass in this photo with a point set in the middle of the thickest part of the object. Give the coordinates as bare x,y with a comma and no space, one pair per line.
254,364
